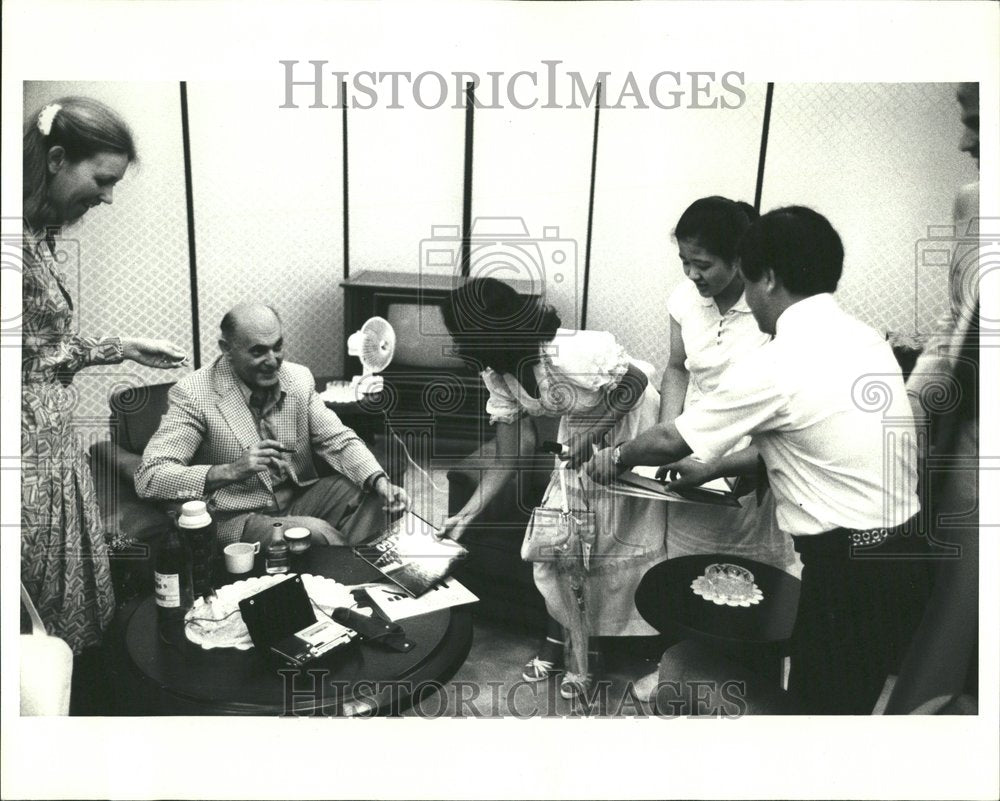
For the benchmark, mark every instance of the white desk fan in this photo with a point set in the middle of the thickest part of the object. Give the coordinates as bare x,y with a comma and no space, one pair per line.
374,345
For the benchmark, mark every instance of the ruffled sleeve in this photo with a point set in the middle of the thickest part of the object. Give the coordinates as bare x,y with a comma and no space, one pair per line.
501,406
591,360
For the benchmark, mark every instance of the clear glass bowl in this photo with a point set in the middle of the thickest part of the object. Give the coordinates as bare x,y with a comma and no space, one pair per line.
731,581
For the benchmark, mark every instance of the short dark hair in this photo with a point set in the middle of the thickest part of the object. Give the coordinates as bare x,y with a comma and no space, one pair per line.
799,245
495,326
716,224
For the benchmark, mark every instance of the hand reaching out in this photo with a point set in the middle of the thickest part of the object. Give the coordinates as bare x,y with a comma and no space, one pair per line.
578,450
686,472
154,353
454,527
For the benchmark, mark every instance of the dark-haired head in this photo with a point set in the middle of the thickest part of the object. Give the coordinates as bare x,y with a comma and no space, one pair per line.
494,326
716,224
789,254
75,150
707,235
799,246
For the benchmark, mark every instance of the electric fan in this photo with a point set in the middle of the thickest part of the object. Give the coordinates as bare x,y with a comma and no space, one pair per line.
373,345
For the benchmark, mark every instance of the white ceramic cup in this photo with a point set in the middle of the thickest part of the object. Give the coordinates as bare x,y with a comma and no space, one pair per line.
299,539
239,556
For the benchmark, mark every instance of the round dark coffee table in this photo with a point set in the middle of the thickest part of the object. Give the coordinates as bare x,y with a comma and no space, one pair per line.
362,678
665,599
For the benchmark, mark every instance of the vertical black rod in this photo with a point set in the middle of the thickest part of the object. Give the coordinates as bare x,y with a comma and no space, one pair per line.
590,213
192,251
470,99
763,147
347,228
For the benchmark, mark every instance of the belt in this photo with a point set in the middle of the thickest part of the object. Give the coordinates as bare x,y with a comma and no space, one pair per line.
868,536
833,542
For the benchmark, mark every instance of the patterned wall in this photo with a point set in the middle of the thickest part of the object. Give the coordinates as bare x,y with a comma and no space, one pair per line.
133,275
651,164
268,191
881,161
535,165
405,176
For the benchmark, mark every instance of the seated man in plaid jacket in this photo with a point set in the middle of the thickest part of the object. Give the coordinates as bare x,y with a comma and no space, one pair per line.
241,433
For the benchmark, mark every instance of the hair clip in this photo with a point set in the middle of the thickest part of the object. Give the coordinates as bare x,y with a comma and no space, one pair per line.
46,117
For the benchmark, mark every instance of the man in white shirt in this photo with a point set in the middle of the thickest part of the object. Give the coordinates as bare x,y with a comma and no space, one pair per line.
825,405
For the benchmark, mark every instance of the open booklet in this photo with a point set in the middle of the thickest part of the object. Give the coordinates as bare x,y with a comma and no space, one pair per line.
641,482
398,605
409,554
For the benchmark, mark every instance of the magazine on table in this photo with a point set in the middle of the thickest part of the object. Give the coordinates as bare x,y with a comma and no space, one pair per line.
398,605
642,482
409,554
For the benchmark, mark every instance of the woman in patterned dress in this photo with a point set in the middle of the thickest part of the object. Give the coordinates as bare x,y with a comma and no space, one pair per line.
586,379
75,151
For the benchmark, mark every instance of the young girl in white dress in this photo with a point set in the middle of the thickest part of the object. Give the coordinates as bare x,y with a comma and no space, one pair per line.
711,327
532,368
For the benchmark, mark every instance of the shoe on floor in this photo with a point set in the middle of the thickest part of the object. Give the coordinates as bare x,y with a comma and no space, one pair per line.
574,685
538,669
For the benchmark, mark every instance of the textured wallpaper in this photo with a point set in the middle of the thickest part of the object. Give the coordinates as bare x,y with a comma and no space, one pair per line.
532,167
133,276
651,164
406,176
881,161
268,216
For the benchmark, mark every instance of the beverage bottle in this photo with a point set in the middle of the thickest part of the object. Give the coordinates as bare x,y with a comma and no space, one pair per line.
199,533
172,579
276,558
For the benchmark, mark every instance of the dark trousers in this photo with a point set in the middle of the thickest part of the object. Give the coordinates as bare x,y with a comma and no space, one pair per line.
857,612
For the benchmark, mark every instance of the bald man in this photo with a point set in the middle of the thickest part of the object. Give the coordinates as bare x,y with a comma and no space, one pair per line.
242,433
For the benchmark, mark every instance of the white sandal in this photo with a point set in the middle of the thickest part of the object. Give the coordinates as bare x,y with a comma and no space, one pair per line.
538,669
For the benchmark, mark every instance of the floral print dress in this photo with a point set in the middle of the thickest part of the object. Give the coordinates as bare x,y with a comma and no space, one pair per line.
64,556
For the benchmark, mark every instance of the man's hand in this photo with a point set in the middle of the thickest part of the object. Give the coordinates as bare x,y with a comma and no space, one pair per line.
396,499
602,467
258,459
154,353
686,472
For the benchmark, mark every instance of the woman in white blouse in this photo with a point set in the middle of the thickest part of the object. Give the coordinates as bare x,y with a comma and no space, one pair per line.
532,368
711,327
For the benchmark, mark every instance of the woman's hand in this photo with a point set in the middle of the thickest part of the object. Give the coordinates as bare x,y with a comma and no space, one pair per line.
686,472
602,467
579,449
454,527
154,353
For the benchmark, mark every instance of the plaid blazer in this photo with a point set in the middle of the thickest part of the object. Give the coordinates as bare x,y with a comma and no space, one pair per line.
209,423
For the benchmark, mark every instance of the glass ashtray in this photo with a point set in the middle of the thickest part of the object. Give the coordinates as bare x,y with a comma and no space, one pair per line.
730,581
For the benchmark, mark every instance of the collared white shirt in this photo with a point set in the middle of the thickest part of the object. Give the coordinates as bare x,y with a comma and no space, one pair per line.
825,404
712,341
